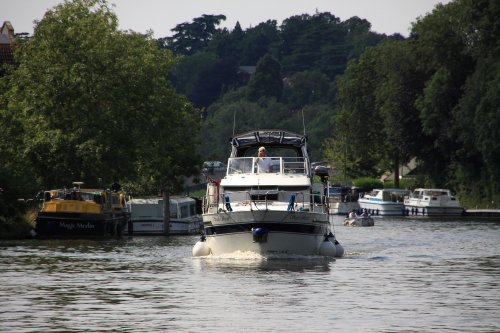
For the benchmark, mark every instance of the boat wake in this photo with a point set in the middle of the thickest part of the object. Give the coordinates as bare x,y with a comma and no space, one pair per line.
253,256
247,260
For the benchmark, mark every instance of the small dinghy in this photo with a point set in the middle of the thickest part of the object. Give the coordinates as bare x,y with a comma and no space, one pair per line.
360,221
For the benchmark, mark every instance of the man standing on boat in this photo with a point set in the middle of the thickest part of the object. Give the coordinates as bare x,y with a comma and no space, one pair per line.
263,163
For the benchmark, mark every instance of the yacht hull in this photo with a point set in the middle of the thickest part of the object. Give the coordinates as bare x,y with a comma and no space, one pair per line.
343,208
382,208
433,211
300,233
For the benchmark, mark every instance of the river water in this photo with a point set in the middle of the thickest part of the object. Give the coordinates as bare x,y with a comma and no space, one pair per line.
402,275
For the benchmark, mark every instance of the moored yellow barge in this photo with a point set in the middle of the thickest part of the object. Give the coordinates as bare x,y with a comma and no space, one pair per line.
82,213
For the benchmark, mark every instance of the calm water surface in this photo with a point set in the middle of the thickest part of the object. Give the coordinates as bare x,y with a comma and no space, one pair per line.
411,275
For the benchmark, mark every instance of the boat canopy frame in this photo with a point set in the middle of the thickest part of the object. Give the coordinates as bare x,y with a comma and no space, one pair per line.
243,142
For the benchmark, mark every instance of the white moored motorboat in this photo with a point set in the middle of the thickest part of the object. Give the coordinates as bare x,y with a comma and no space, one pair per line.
385,201
432,202
342,199
269,211
147,216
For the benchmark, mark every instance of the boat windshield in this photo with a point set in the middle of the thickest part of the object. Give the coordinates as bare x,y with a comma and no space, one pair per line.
248,165
395,196
436,193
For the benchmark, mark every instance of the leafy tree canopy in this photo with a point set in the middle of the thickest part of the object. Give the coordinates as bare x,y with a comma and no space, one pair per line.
266,81
189,38
92,103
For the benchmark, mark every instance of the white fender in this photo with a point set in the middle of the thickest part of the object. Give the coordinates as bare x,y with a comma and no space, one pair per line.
201,249
339,250
327,248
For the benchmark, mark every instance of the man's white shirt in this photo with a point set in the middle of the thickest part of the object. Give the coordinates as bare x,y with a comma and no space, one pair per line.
263,164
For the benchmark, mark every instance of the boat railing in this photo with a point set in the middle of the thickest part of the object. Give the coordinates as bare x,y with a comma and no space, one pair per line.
264,200
284,165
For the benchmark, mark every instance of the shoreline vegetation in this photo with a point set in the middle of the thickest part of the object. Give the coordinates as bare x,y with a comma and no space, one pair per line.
19,226
22,223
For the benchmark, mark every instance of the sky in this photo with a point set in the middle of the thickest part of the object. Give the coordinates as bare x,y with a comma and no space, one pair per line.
160,16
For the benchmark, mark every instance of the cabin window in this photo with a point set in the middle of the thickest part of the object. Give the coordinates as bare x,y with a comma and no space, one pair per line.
184,211
173,211
264,195
193,209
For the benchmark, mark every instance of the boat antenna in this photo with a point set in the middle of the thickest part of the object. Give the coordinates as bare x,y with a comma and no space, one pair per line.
234,121
78,184
303,122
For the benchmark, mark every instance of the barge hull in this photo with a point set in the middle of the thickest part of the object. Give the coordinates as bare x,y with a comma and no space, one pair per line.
80,225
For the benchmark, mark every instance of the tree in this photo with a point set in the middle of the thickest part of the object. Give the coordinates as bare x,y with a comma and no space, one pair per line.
305,88
477,115
266,81
357,119
257,42
316,41
185,75
395,101
358,36
190,38
439,47
94,103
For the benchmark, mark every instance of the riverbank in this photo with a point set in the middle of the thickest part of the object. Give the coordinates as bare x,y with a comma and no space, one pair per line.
17,227
482,213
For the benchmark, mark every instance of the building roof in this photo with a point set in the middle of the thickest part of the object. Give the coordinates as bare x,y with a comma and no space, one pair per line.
6,43
4,39
7,30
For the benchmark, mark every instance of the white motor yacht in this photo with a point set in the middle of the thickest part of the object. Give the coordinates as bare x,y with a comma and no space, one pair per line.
385,201
432,202
147,216
270,211
342,199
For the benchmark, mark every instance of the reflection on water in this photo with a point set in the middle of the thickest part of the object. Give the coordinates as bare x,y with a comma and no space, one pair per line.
244,261
403,274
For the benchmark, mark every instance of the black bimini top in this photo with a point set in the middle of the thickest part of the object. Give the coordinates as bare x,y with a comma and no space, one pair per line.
268,138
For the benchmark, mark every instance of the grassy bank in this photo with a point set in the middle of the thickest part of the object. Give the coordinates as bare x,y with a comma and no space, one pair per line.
473,202
18,226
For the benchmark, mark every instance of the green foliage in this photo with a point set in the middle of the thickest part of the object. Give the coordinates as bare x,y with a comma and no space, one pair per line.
358,36
406,183
203,77
314,41
185,74
433,97
367,184
257,42
305,88
357,132
246,115
266,81
89,102
311,51
473,201
189,38
92,103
